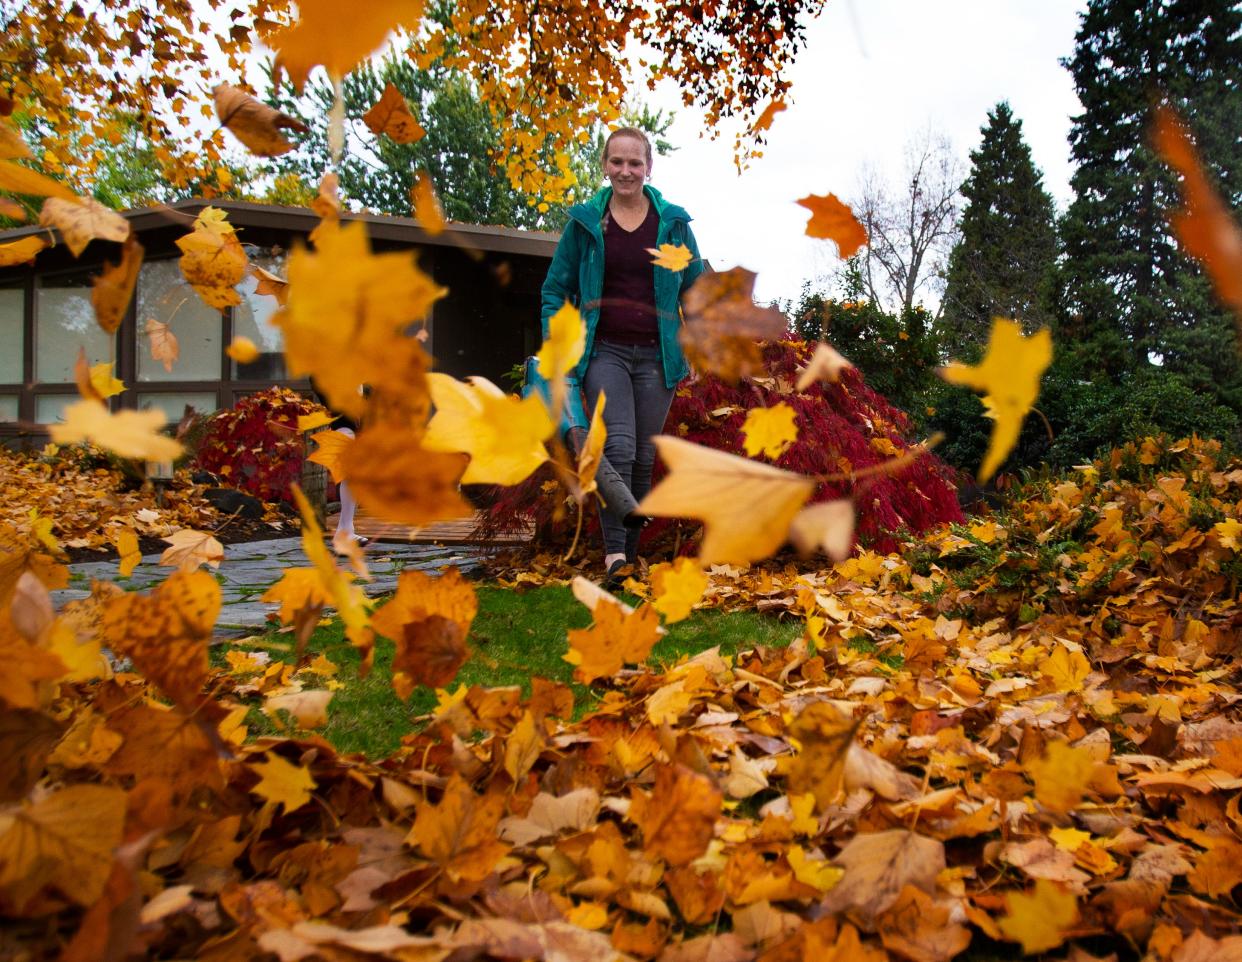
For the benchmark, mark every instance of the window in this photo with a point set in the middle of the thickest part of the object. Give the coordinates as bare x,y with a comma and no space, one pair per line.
164,296
65,322
12,345
252,318
50,408
8,407
174,405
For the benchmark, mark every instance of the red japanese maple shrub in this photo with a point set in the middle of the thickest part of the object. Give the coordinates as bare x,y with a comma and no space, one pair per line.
842,428
256,446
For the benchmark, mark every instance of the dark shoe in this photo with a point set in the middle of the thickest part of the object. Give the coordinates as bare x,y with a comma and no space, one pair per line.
616,575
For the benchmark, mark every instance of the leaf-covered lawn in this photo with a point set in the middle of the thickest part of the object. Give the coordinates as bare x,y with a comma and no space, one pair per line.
517,635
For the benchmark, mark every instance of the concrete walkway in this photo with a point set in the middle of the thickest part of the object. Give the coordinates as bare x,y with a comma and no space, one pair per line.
250,569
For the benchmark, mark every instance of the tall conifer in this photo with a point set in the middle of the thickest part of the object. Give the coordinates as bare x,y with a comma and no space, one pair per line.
1131,298
1005,260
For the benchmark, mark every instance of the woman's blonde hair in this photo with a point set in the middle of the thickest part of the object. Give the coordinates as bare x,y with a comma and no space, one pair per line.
629,132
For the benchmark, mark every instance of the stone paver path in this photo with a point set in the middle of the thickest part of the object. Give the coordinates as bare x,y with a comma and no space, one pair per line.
249,569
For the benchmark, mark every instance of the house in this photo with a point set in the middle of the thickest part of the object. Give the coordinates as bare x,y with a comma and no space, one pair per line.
486,324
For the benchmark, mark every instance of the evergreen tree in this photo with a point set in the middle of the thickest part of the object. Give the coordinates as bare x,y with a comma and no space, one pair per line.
1131,299
1005,260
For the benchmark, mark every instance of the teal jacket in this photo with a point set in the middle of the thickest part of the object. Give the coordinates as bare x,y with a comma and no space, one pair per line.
577,275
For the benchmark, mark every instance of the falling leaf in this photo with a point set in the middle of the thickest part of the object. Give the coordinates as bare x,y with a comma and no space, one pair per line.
459,834
308,708
283,783
723,326
1204,225
677,588
12,146
166,633
212,259
268,283
764,121
427,209
190,549
824,734
834,221
113,288
308,422
678,817
302,596
769,431
322,35
381,294
592,452
81,220
878,866
12,209
746,507
103,381
565,343
253,122
429,619
672,257
1009,375
398,480
615,639
329,446
391,115
827,527
163,343
503,435
65,839
242,350
22,251
131,434
826,364
127,547
17,179
1039,920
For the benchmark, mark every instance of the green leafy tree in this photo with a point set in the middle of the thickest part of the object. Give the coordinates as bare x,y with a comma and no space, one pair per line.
459,151
1004,263
1131,298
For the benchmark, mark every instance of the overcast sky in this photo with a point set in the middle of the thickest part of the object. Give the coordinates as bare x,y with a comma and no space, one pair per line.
874,74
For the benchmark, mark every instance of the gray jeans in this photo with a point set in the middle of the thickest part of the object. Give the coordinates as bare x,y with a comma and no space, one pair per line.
632,380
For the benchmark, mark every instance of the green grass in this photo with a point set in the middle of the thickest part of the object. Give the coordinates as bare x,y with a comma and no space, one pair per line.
517,635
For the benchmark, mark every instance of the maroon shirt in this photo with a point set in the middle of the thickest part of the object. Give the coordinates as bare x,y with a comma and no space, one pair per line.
627,307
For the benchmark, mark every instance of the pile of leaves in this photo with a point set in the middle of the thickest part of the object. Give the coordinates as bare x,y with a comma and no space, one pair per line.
81,498
257,445
843,427
1022,730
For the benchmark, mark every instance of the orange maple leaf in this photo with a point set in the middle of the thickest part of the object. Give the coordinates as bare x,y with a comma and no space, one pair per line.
615,639
834,221
459,834
391,115
678,818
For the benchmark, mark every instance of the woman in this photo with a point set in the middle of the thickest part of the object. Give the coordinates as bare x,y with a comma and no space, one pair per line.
632,313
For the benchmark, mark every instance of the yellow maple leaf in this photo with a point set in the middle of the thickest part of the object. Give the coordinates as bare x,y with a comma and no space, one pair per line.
1009,375
1068,839
1228,532
818,873
746,507
592,449
1039,920
242,350
103,382
212,259
325,34
283,783
565,343
672,257
1067,669
346,318
677,588
127,547
17,179
503,435
131,434
329,446
769,431
616,638
308,422
1061,775
22,251
427,209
